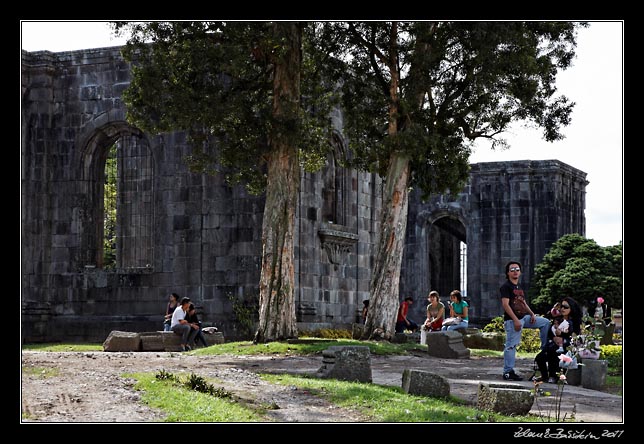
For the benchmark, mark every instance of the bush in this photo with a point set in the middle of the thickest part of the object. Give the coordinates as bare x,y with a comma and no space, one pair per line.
495,325
326,333
612,354
530,341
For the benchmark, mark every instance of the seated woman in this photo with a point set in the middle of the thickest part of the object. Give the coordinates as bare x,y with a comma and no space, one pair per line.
435,314
194,321
458,309
173,301
558,339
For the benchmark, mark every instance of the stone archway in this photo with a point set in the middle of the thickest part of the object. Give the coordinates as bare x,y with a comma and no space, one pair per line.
445,234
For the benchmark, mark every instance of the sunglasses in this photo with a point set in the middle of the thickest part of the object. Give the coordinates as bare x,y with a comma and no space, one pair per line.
567,307
515,269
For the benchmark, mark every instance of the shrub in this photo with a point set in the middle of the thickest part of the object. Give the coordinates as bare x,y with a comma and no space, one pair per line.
326,333
530,341
612,354
495,325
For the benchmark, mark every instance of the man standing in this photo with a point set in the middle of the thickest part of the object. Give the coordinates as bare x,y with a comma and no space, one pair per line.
517,316
180,326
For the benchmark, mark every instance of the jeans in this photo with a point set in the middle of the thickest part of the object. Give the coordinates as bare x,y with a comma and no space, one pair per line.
187,333
166,326
513,338
401,326
462,324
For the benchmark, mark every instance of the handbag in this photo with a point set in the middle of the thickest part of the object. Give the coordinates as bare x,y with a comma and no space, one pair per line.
451,321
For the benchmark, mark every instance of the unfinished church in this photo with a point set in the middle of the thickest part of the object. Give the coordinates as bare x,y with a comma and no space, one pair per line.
176,231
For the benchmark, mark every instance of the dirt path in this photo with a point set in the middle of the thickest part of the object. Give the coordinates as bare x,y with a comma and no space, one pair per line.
89,387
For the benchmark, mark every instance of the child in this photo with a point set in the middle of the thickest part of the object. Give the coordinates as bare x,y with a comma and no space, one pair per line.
559,323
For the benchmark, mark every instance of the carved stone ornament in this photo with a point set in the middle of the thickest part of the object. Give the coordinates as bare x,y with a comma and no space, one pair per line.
337,241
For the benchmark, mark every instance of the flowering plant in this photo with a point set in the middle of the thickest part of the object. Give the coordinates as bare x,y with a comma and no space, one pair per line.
586,344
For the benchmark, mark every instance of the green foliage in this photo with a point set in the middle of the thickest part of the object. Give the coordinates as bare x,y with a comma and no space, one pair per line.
182,404
578,267
109,210
612,354
245,313
41,372
63,347
327,333
530,340
494,326
215,81
390,404
427,90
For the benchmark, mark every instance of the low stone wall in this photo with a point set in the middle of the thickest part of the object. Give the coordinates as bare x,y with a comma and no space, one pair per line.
504,398
446,344
119,341
347,363
419,382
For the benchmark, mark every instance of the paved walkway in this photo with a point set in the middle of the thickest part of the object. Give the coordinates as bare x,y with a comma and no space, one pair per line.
464,376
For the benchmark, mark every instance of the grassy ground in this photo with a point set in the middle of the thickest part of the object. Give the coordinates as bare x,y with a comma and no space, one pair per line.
380,403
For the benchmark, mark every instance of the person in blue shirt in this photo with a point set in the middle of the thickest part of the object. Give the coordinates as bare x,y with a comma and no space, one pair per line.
458,308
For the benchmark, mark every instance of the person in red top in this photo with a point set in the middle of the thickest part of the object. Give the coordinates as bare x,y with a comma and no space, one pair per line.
402,322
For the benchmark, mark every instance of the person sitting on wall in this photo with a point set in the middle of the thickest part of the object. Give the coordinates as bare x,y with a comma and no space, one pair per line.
435,315
173,300
180,326
194,322
402,322
458,309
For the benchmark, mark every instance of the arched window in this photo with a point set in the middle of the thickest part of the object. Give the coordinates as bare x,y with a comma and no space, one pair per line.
118,228
336,186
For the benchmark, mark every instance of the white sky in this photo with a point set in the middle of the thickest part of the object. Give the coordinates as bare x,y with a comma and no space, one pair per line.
593,143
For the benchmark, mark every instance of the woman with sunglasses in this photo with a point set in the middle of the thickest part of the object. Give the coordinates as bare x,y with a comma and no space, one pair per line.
559,337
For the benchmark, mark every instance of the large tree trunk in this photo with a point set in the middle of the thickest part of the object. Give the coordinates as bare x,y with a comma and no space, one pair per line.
277,280
383,306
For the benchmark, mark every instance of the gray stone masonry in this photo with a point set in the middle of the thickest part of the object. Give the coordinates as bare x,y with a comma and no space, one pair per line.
446,344
418,382
196,235
119,341
486,340
151,341
347,363
593,373
508,399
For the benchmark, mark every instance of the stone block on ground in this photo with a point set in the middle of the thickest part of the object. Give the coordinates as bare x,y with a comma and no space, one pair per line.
423,383
151,341
446,344
357,330
171,341
347,363
484,340
504,398
120,341
593,373
215,338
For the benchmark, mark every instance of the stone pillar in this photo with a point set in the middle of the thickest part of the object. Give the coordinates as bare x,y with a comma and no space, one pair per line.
593,375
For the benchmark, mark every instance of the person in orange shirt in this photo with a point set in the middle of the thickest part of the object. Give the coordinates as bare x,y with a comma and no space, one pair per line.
402,322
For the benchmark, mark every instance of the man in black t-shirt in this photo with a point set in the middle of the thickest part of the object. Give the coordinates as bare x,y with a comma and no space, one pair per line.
517,315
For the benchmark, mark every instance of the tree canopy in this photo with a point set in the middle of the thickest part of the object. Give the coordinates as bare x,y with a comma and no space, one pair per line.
417,94
454,82
214,80
578,267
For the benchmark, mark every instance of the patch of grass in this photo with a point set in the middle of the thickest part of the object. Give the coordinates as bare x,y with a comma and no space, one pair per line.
310,347
43,372
182,404
390,404
63,347
614,384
